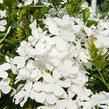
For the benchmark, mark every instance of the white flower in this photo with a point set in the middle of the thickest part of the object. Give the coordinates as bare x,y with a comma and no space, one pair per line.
47,107
37,33
13,67
64,1
4,86
1,1
46,2
28,2
5,66
102,34
61,27
19,61
101,100
2,25
4,83
22,96
51,64
81,92
51,25
47,63
66,104
25,50
85,5
2,13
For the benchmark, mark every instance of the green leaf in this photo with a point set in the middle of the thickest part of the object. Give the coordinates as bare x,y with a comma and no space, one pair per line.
1,46
10,42
35,15
44,10
22,12
81,3
86,14
2,34
92,22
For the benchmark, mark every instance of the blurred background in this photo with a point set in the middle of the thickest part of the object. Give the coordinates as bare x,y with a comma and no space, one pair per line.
102,7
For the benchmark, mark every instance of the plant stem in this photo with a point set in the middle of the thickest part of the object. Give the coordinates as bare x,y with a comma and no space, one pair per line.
102,78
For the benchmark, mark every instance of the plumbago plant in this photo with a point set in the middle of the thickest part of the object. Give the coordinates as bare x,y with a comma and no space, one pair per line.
54,55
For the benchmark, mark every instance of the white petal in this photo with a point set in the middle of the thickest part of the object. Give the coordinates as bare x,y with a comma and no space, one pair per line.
1,1
56,75
65,83
51,99
34,29
14,69
4,82
5,89
61,45
69,68
67,104
39,97
35,2
47,107
74,70
47,78
4,85
68,36
54,52
28,2
7,59
48,88
88,31
30,39
106,42
84,94
5,66
65,18
2,13
23,74
38,86
3,22
52,26
75,88
61,105
68,64
58,91
71,103
83,57
3,74
34,73
58,21
43,107
20,61
2,28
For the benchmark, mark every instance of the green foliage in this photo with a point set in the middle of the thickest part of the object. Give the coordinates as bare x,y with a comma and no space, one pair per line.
99,71
86,14
74,7
91,22
15,18
56,3
104,8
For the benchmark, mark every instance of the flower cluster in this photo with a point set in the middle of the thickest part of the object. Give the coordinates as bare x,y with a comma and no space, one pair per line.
4,83
50,64
3,22
102,34
29,2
